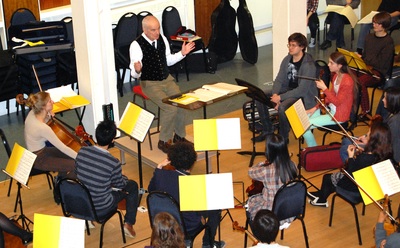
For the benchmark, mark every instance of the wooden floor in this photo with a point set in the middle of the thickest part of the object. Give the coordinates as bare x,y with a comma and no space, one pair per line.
39,199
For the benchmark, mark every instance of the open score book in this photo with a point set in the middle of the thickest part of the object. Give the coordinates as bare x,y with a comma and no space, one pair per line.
298,118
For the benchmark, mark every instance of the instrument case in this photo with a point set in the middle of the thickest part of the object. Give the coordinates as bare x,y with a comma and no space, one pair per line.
319,158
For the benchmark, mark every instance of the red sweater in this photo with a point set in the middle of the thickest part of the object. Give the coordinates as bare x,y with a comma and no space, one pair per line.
343,100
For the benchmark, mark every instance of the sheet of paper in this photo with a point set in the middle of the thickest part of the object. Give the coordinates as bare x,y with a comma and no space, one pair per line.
205,95
346,11
206,192
387,177
223,87
20,164
63,91
367,180
56,231
368,18
216,134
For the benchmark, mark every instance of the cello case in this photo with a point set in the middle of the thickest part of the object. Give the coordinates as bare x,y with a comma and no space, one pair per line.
247,39
223,41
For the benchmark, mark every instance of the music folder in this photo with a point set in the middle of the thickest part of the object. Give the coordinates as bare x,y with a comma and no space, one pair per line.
298,118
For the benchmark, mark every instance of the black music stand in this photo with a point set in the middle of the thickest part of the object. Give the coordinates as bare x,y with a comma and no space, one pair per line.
254,93
24,220
138,132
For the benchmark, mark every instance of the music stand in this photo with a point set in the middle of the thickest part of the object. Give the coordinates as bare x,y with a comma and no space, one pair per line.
256,94
136,122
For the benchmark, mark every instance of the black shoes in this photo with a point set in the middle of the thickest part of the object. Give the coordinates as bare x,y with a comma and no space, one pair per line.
164,146
326,44
261,137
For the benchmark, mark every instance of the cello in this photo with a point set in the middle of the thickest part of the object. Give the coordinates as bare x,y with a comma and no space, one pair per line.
247,39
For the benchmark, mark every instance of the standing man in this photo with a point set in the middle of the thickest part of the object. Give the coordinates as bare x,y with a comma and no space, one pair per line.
288,88
101,173
336,28
150,57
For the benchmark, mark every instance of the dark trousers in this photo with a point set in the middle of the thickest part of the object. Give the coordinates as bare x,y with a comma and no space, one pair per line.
313,23
284,126
327,187
336,29
213,217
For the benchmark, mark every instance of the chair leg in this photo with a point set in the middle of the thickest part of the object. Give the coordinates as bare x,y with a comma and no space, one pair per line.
245,234
9,187
282,233
332,206
305,232
122,226
357,224
101,234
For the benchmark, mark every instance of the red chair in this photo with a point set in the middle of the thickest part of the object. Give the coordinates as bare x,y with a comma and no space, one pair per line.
137,91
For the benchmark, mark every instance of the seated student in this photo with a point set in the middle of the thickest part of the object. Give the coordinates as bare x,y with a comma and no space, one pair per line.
9,226
377,149
167,232
276,170
392,7
265,228
60,158
382,240
391,103
378,56
312,20
101,173
336,27
288,88
181,156
340,98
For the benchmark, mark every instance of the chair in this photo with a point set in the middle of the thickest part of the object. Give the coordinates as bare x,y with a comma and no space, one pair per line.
126,32
353,201
289,202
137,91
76,201
22,16
158,201
171,22
66,60
8,79
141,15
34,172
328,22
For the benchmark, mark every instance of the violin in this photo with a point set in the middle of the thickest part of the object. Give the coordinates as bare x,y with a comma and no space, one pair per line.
256,187
236,226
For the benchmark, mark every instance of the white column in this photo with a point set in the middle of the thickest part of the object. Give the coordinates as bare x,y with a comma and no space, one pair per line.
288,16
95,58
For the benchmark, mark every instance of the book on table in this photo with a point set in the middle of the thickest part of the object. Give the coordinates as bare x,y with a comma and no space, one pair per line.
209,92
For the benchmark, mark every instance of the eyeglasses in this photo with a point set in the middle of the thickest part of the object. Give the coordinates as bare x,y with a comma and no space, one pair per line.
292,45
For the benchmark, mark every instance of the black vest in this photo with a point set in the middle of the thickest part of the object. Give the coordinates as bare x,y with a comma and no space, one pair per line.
154,61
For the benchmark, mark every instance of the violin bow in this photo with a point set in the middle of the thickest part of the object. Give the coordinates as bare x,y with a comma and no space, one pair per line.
338,123
37,78
370,197
307,78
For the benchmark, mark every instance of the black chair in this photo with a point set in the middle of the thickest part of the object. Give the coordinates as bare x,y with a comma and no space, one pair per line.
353,200
66,60
171,22
8,79
328,22
158,201
289,202
34,172
22,16
76,201
141,15
125,33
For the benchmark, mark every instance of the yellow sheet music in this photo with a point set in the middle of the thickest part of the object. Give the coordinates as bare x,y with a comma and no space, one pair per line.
74,101
354,60
298,118
20,164
377,180
206,192
216,134
56,231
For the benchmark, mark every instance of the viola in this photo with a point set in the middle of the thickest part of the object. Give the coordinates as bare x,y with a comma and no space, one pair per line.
322,99
236,226
256,187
